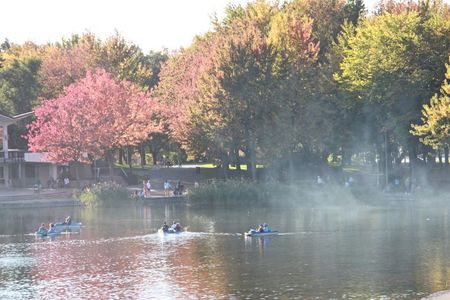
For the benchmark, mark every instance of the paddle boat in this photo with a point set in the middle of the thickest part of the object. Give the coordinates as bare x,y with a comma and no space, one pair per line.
254,233
263,230
43,232
174,229
64,227
169,231
46,233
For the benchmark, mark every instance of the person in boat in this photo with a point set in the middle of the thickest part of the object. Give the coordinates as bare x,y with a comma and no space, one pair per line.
260,228
67,221
51,228
176,226
173,226
266,227
42,230
165,227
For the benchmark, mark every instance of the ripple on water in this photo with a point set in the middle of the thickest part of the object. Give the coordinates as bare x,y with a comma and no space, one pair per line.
13,262
113,268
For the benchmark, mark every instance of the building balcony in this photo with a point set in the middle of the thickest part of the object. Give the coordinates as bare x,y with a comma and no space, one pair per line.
14,156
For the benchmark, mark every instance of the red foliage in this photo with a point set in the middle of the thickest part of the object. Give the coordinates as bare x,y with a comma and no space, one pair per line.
92,116
178,88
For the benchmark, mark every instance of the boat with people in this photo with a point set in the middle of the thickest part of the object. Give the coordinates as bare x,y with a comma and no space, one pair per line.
170,231
263,230
43,232
62,226
174,229
68,225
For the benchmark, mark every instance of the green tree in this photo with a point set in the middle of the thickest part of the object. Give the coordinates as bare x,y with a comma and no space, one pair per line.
390,63
19,87
19,91
435,128
125,60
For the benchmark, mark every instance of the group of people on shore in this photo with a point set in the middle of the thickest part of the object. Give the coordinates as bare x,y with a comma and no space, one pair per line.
177,190
145,192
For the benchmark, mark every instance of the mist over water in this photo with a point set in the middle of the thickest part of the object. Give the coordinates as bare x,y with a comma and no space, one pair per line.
398,251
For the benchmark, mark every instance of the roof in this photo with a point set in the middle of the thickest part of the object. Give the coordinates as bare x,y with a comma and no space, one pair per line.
6,119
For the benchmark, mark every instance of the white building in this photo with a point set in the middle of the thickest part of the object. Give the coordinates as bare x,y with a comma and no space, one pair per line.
17,167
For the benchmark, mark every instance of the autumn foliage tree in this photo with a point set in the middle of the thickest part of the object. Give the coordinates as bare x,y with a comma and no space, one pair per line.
223,91
178,90
65,64
91,117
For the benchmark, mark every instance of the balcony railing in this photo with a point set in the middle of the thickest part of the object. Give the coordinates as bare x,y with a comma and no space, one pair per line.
13,156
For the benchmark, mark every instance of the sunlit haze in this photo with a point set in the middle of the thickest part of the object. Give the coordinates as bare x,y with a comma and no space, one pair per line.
152,24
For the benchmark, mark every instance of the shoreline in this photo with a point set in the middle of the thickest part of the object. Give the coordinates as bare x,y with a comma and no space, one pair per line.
28,198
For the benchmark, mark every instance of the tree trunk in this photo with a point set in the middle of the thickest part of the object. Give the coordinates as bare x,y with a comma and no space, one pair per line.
439,155
154,157
412,164
238,161
130,158
142,154
225,164
381,164
95,170
75,168
121,154
388,160
110,158
252,150
446,155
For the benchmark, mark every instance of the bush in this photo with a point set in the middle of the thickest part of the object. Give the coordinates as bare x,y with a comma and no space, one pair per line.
102,193
232,192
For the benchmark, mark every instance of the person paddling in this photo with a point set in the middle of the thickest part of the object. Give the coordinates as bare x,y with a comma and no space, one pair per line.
176,227
51,228
42,230
165,227
260,228
67,221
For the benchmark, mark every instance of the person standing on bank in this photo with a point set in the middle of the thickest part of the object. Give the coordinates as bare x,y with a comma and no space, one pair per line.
167,188
149,187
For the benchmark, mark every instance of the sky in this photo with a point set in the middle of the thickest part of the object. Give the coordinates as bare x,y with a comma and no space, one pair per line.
150,24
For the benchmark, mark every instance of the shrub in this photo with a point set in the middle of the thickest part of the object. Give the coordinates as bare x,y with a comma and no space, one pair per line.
102,193
232,192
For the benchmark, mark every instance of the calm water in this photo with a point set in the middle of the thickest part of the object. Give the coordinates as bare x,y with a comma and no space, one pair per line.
397,252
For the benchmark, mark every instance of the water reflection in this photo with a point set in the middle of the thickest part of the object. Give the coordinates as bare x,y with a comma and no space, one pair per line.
329,253
257,243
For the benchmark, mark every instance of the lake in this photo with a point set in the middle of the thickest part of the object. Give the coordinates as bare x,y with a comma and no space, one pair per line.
399,251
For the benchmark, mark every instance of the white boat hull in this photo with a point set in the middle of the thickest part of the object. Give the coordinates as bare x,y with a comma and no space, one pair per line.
256,234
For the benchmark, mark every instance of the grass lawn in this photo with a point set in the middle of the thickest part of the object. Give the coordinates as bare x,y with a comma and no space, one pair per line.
135,166
231,167
203,166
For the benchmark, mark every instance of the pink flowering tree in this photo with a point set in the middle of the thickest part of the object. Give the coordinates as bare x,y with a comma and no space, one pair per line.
92,117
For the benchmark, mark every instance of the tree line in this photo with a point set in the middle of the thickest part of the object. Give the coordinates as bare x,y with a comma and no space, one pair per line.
288,85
